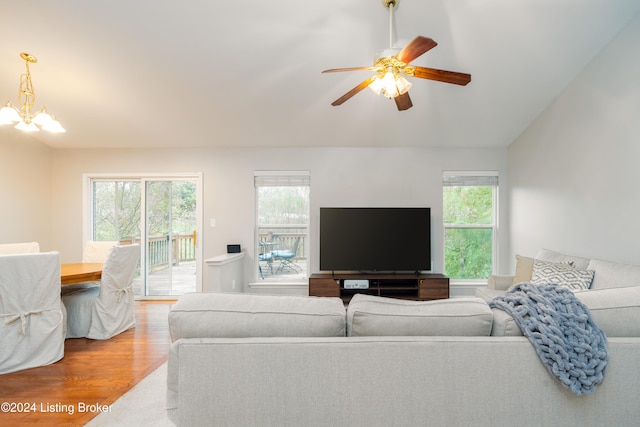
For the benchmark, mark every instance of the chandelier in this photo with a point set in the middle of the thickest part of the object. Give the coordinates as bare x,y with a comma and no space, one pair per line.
24,117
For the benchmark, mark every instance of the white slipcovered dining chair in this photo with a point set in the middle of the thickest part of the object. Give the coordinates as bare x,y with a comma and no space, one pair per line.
97,250
31,317
19,248
107,310
94,251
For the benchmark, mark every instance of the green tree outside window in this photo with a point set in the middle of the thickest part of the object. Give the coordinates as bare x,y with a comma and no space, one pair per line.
468,217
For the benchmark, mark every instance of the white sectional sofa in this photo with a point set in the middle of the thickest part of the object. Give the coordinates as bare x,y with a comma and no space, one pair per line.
613,296
247,360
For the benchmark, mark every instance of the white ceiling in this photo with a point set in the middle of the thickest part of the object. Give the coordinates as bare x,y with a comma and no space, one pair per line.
246,73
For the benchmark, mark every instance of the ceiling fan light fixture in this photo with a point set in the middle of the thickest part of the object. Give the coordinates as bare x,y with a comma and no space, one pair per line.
376,86
391,84
402,84
389,87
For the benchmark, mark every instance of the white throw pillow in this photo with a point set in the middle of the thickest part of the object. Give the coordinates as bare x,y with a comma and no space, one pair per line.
564,275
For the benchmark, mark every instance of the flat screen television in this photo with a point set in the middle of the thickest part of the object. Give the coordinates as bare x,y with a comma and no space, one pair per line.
375,239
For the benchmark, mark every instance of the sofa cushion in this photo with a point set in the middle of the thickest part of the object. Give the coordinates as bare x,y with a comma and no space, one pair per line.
614,275
556,257
378,316
227,315
563,275
615,310
504,325
488,294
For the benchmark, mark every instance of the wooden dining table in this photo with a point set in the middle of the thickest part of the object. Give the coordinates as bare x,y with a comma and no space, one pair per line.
80,272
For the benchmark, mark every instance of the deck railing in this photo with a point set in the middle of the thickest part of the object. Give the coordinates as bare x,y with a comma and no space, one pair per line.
283,237
183,249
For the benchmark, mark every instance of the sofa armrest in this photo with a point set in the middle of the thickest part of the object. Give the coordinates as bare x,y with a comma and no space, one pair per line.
500,283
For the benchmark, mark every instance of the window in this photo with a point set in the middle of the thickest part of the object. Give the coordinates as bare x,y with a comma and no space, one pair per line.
469,212
116,210
282,225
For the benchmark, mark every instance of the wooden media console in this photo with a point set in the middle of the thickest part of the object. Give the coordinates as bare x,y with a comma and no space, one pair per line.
406,286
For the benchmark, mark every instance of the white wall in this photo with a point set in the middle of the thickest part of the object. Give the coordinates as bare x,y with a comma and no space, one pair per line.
574,175
25,189
339,177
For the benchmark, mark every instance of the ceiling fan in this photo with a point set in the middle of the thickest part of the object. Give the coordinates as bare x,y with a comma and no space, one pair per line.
390,65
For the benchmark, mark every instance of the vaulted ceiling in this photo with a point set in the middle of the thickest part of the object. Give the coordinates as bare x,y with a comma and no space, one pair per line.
247,73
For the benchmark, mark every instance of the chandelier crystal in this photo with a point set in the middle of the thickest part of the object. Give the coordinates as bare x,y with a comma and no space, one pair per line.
23,117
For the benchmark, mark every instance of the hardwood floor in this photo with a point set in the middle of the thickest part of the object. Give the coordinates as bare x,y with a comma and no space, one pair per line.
91,376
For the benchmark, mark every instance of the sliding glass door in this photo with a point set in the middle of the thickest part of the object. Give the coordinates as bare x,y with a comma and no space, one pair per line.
162,214
171,236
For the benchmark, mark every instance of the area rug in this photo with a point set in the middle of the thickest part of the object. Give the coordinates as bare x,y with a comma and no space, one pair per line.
144,404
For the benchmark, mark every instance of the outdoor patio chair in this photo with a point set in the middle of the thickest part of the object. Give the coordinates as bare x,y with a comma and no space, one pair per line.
31,314
265,256
285,256
107,310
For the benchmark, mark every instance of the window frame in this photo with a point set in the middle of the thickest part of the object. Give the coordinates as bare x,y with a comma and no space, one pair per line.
284,178
474,178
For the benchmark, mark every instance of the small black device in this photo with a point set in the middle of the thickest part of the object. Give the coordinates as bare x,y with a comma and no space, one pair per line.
233,249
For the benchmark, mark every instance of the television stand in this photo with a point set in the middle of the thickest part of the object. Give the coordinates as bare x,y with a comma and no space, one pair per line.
418,287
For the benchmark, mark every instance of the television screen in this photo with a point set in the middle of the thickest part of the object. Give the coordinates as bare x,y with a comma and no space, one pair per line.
375,239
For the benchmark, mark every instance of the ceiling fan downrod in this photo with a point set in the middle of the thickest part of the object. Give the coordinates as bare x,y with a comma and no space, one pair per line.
390,4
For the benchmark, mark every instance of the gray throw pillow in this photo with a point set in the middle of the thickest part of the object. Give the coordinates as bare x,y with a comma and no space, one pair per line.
564,275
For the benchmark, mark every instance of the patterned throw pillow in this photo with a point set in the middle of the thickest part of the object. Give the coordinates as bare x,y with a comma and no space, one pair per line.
564,275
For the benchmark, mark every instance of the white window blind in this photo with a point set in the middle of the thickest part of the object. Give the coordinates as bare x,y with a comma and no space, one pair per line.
282,179
470,180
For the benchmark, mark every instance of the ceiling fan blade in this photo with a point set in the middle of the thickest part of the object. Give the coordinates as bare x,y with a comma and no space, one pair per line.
441,75
415,48
353,91
403,102
337,70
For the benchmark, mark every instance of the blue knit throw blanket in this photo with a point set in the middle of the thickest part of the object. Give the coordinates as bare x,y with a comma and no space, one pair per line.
571,346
